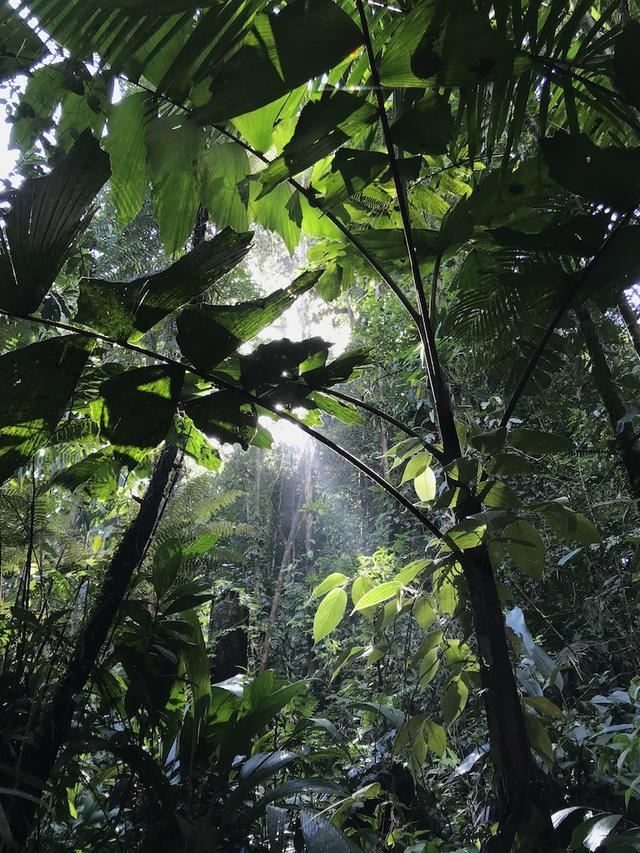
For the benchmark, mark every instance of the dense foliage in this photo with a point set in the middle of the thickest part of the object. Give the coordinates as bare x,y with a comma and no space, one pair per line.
262,592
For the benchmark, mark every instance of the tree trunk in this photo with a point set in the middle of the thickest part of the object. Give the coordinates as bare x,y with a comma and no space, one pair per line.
228,636
624,435
39,759
296,519
630,319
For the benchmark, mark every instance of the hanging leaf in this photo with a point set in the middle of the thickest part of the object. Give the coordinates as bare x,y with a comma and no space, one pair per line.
380,593
604,175
524,545
426,128
572,526
536,441
173,149
285,49
425,485
36,385
209,333
125,309
125,144
454,700
195,444
329,613
223,168
351,172
136,407
96,474
277,360
322,127
226,416
31,257
331,582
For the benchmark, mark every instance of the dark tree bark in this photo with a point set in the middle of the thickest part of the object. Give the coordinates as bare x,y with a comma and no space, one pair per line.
630,318
623,433
228,636
38,759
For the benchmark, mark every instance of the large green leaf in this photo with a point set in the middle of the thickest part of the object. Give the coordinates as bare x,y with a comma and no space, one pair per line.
209,333
36,385
136,407
323,126
351,172
329,613
284,50
224,415
120,309
46,216
276,360
425,128
125,144
222,169
603,175
524,545
20,47
321,836
96,474
173,148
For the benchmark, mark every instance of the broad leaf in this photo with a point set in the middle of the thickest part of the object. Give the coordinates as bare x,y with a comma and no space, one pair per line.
31,257
209,333
136,407
284,50
122,309
329,613
524,545
323,126
36,385
225,416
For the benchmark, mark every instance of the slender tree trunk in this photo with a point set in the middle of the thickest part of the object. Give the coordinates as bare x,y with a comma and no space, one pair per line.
38,760
296,519
309,539
630,319
624,435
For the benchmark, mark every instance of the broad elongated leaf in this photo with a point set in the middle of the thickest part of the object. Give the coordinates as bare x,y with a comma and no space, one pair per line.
120,309
284,50
454,700
524,545
330,582
136,408
210,333
322,837
329,613
351,172
222,169
426,128
323,126
96,474
173,149
602,175
36,385
125,144
271,362
20,47
224,415
46,215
